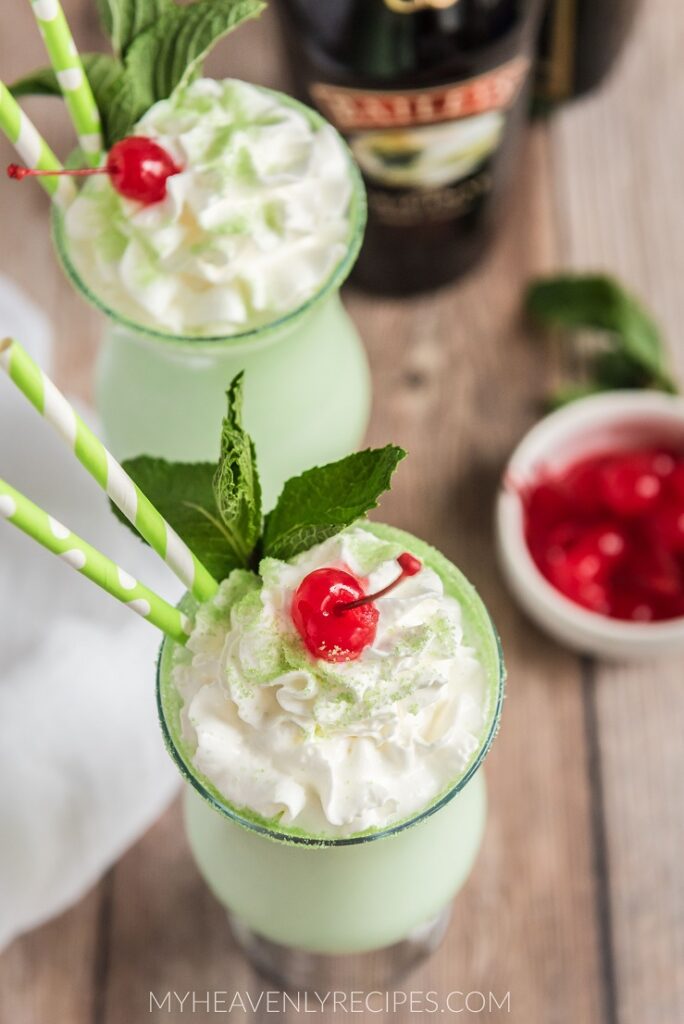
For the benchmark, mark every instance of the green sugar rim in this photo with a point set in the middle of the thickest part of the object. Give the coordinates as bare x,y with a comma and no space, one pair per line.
479,632
357,224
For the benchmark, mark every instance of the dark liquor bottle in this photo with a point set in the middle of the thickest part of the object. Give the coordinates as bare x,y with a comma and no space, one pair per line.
579,43
431,96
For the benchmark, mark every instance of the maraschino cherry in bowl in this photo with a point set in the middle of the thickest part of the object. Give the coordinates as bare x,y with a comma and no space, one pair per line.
590,524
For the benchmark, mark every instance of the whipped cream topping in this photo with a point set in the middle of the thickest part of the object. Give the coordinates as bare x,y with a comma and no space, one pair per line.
250,229
331,749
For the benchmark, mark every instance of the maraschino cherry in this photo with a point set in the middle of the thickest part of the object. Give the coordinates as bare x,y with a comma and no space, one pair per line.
138,168
608,532
334,617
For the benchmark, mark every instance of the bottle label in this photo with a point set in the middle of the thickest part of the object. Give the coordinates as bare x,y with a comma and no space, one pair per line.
426,153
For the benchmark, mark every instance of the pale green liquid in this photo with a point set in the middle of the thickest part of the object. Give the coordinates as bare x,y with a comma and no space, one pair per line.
339,899
342,897
307,382
307,393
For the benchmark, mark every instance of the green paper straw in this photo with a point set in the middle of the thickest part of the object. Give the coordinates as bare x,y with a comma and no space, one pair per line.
72,79
32,147
36,523
101,465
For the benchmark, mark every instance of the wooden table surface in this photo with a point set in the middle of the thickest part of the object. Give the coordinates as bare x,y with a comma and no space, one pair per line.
576,905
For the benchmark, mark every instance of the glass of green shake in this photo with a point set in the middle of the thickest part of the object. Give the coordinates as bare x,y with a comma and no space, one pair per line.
238,268
336,808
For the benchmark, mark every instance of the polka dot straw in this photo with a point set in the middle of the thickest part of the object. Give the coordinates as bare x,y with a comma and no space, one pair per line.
90,562
101,465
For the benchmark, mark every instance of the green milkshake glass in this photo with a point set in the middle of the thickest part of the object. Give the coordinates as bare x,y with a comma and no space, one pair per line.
308,390
302,906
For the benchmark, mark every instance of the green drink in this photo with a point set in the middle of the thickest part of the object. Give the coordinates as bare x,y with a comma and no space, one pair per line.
333,890
329,692
238,268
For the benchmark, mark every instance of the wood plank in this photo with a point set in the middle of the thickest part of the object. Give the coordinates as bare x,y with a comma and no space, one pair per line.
618,162
48,974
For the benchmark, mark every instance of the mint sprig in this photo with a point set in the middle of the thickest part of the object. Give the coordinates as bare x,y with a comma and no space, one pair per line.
217,511
158,45
630,354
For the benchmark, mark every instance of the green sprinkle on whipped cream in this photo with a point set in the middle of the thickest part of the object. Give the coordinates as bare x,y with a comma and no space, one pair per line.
252,227
331,748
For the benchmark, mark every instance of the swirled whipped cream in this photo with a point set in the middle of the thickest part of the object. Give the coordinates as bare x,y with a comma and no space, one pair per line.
331,749
250,229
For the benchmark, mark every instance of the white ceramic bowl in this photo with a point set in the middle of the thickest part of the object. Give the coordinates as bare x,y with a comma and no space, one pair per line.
620,419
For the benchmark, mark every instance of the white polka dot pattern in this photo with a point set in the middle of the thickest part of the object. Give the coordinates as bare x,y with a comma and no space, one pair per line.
70,79
74,557
127,581
8,506
46,10
60,531
140,606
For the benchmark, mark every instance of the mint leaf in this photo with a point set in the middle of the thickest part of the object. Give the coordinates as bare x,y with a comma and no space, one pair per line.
237,489
598,302
609,371
184,494
124,108
106,15
172,49
114,94
38,83
124,20
616,369
323,501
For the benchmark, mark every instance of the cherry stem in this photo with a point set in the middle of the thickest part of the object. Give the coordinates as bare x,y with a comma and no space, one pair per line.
409,567
18,172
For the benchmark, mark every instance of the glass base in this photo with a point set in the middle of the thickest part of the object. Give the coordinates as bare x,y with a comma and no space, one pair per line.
296,969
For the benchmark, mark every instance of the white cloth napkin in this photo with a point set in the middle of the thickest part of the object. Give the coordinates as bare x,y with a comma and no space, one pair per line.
83,771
